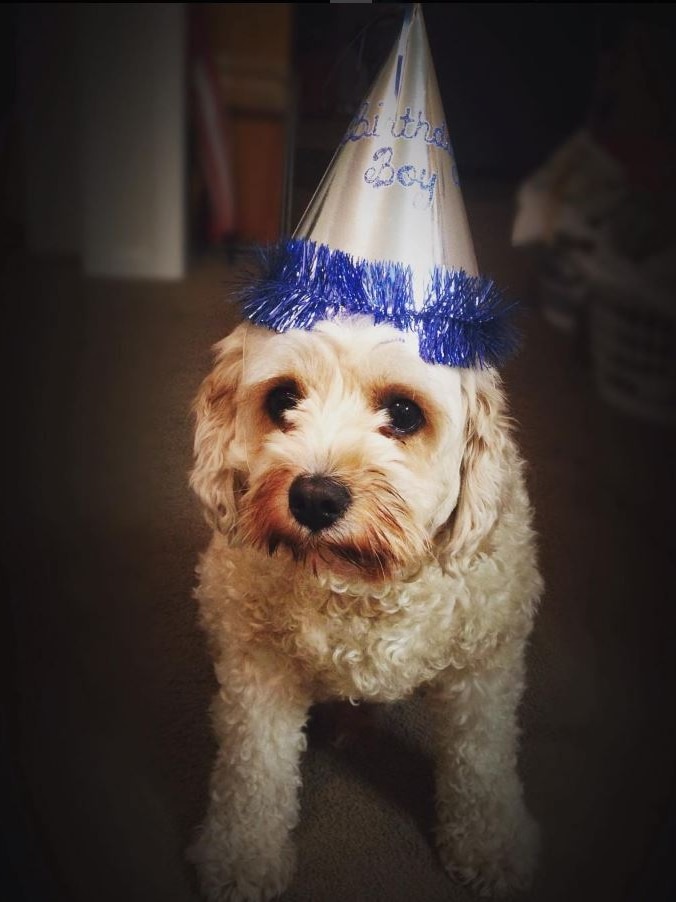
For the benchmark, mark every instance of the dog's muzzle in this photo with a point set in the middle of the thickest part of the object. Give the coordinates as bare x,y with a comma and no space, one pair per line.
318,501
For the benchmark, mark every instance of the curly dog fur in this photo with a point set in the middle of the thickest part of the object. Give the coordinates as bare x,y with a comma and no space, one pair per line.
427,580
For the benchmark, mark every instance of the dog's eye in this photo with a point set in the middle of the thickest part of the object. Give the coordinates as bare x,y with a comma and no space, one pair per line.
405,416
280,399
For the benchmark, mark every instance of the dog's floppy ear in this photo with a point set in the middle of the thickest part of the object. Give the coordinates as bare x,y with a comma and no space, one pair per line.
213,476
483,468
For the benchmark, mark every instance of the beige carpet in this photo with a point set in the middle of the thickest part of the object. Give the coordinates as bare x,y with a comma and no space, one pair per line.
109,679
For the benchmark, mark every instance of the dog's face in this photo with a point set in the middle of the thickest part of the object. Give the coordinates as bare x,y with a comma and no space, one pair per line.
341,448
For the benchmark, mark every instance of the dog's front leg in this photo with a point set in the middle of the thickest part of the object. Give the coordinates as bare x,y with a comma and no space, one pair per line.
486,837
244,851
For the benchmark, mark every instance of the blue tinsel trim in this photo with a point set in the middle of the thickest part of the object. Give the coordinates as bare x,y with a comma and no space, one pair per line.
464,320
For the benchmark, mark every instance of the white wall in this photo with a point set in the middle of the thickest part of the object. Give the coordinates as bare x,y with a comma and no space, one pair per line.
133,129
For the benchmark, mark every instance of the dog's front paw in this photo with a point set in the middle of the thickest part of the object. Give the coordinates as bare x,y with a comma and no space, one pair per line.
495,862
234,869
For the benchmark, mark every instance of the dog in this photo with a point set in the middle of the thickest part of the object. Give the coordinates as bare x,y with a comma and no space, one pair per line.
372,536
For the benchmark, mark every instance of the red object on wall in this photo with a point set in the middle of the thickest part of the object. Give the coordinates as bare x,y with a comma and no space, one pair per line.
213,134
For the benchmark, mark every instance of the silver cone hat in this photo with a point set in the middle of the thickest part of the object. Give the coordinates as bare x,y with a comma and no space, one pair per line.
392,191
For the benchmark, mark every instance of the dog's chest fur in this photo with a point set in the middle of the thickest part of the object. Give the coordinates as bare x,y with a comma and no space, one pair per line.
374,645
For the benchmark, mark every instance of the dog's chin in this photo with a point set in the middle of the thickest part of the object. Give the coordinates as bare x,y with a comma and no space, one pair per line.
348,560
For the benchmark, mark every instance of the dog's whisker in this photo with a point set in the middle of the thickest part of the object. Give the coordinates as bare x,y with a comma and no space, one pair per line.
273,543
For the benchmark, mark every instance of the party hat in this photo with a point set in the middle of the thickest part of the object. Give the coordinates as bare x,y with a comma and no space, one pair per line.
386,233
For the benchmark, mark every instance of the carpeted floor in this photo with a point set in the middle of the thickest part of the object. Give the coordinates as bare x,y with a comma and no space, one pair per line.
108,678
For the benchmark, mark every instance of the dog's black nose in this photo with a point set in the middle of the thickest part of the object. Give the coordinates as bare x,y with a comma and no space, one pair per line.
318,501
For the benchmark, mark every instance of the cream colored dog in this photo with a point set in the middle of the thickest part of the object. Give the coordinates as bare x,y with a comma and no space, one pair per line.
372,535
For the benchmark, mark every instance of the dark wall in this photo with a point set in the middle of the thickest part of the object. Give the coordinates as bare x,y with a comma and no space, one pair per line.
516,79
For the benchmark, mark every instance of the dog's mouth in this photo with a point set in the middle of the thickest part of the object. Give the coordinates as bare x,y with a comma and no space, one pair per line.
339,557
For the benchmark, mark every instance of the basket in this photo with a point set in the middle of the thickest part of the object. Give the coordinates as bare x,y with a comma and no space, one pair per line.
633,347
564,288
